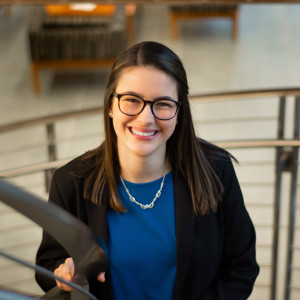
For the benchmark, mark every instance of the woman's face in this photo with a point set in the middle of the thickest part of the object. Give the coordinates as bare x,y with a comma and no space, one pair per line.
143,135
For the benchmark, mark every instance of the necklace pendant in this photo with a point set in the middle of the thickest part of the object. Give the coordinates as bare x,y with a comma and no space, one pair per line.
157,195
146,206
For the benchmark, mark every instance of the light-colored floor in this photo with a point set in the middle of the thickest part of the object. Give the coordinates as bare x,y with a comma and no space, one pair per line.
266,55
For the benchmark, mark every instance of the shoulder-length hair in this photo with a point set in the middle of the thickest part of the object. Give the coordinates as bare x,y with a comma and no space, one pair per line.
185,153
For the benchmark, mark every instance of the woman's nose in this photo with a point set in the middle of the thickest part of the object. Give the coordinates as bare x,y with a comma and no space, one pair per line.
146,115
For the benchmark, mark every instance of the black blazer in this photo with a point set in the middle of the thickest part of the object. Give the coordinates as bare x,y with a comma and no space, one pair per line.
215,253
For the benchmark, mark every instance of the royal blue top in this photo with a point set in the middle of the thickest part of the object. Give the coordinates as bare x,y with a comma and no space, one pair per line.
142,243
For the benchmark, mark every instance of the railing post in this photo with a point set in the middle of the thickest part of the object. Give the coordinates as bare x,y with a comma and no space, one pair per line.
292,204
52,154
280,165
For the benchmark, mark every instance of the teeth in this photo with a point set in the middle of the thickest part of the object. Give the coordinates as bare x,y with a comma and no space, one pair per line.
142,133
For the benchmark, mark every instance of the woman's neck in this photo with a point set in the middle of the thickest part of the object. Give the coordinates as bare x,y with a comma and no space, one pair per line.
139,169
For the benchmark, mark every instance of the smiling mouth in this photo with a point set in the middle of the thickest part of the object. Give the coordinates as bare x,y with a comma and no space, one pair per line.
143,133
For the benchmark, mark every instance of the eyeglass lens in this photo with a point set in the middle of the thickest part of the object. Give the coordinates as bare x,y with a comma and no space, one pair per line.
133,105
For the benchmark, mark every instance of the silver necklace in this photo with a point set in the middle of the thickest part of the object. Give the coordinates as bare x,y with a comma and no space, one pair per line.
157,195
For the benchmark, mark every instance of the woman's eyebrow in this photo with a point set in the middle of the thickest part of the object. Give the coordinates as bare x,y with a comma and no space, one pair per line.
140,96
164,98
131,93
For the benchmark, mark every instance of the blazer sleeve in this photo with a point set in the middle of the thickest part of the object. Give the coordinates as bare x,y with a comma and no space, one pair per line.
238,268
50,253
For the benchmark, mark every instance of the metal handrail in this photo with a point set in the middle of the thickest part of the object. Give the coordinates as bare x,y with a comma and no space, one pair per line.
9,295
97,109
48,274
226,144
34,168
248,94
50,119
89,258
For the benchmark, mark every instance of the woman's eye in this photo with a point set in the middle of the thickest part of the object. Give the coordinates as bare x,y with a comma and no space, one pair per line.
132,100
163,104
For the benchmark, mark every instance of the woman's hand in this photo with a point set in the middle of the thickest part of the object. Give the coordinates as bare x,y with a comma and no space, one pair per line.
66,271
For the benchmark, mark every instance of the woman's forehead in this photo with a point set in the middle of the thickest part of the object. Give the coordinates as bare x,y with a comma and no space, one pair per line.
146,79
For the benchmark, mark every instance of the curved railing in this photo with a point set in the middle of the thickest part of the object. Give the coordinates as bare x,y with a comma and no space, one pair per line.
49,121
225,144
89,258
286,158
284,92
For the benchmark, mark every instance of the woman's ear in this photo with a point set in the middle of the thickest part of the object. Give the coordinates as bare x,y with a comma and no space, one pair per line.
110,114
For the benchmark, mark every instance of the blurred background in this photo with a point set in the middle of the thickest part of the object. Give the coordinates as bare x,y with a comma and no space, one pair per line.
242,63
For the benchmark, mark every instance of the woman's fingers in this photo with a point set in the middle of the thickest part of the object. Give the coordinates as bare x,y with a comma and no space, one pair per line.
66,271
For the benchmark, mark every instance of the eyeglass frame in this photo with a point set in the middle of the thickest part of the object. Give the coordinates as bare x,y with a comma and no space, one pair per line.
145,102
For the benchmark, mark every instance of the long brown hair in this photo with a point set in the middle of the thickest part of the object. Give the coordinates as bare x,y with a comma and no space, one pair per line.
185,152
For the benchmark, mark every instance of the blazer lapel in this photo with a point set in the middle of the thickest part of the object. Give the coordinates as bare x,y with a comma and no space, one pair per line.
97,216
97,221
185,225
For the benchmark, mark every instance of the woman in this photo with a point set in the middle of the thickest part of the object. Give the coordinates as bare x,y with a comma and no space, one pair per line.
167,204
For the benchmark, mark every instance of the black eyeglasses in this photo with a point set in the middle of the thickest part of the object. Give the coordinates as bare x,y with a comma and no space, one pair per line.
162,109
